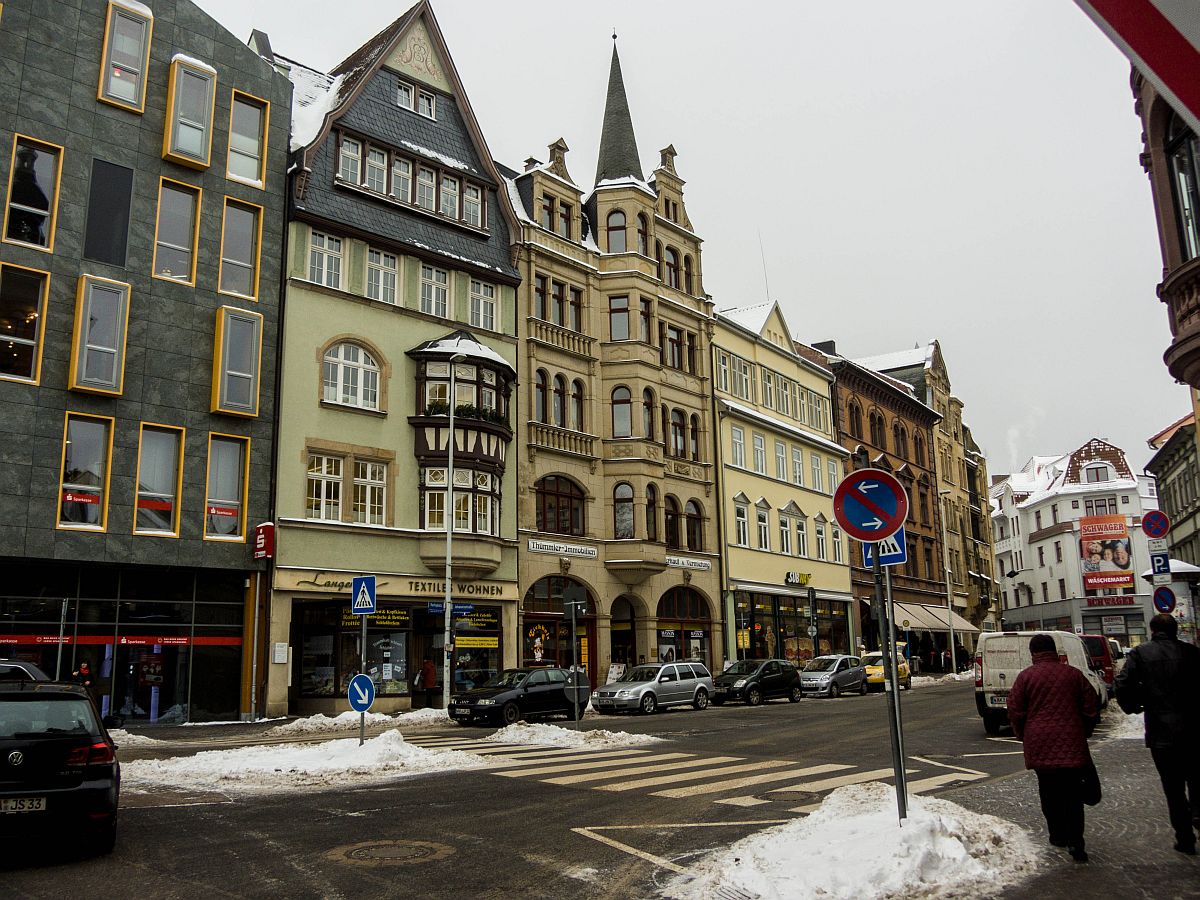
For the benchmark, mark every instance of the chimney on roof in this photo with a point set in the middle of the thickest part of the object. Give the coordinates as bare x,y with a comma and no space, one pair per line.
829,348
532,163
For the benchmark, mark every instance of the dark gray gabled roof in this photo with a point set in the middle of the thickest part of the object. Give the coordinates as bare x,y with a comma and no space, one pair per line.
618,147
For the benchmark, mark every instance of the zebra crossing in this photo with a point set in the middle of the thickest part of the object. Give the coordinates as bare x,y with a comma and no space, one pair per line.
660,771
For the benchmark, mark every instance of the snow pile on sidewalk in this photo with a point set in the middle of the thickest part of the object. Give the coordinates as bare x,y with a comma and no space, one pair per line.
283,766
419,717
555,736
323,724
852,847
125,739
1123,726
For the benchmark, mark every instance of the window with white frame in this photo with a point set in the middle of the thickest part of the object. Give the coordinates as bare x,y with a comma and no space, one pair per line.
781,460
785,535
434,289
402,179
722,370
819,529
325,260
370,492
832,466
764,530
741,526
738,444
801,395
405,95
350,376
473,205
816,472
350,160
798,466
802,537
324,488
381,275
101,319
768,389
426,187
483,305
785,396
377,168
426,104
241,232
741,385
449,205
839,552
760,454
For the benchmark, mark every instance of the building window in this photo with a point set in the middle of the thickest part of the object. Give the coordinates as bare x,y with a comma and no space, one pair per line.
616,231
815,462
473,205
781,460
126,56
693,526
819,530
643,234
854,414
176,232
370,492
768,389
1045,592
1058,554
426,187
678,435
564,220
325,260
671,521
547,212
687,274
324,488
785,535
558,302
381,276
742,528
577,405
350,160
785,396
560,401
623,512
402,180
248,119
426,104
741,384
559,506
541,386
434,288
694,439
671,261
802,537
622,416
483,305
159,480
618,318
350,377
191,93
575,310
404,95
435,510
449,204
798,466
722,370
760,454
87,450
738,440
241,237
1062,589
919,449
98,345
110,197
832,471
674,347
33,193
377,169
1183,157
225,499
1095,474
22,322
900,440
236,363
839,550
764,530
651,513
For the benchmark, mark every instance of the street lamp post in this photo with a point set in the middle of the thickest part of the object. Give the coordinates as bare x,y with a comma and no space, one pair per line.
949,590
447,600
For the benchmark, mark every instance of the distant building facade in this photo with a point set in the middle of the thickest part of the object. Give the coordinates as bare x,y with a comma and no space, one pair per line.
139,294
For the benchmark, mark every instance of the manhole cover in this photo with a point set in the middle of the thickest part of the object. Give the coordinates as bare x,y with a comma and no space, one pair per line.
389,853
791,796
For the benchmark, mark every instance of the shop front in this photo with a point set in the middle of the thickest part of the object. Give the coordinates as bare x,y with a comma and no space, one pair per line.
546,629
684,626
789,626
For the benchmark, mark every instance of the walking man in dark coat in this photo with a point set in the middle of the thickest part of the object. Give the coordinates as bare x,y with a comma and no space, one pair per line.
1053,708
1162,677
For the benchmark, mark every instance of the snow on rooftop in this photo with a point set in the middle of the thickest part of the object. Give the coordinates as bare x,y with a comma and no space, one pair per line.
852,847
900,359
557,736
193,62
449,255
751,317
462,343
314,95
133,6
514,197
626,181
440,157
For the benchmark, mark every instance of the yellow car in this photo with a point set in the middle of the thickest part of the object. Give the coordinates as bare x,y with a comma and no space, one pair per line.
873,663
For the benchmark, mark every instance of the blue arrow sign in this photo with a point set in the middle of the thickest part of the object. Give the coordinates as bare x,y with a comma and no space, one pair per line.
1164,600
361,693
362,595
893,551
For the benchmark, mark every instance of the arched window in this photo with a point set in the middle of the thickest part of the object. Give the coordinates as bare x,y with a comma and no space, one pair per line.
900,440
643,234
622,511
616,231
351,376
678,434
671,511
671,261
687,274
559,506
919,449
694,526
658,259
622,413
651,513
855,420
560,401
577,405
541,386
648,414
877,434
694,442
666,429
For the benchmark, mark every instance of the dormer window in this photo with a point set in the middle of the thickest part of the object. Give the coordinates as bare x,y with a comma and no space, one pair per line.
1095,474
473,205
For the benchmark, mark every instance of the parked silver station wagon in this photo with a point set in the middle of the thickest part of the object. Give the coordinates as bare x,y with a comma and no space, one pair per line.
648,687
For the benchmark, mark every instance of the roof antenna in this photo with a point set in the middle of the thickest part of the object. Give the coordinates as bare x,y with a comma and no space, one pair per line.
614,32
761,253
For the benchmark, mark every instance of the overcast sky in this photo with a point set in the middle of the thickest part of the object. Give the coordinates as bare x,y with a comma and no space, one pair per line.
964,170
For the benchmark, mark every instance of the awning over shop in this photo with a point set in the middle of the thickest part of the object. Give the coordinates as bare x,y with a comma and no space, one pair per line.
932,618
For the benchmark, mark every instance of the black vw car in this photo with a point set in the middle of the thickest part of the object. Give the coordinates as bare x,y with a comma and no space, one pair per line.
59,773
756,680
516,694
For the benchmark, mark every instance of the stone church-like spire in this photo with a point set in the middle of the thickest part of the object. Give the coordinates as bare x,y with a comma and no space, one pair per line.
618,147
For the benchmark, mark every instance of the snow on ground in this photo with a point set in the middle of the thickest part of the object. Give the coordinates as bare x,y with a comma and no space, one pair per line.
125,739
422,717
237,721
288,766
852,847
556,736
1123,726
323,724
927,680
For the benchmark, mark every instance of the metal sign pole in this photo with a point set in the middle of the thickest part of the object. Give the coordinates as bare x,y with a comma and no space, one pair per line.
62,633
894,676
575,664
362,716
897,759
448,611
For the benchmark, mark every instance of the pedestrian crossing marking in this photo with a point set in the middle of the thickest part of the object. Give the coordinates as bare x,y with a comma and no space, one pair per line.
828,784
936,781
735,783
742,801
589,764
364,600
642,770
692,776
583,758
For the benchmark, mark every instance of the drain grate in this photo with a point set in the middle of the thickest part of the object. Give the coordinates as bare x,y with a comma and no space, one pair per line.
791,796
389,853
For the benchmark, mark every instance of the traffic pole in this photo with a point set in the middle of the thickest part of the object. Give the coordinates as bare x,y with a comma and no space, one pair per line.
894,675
362,716
881,620
574,665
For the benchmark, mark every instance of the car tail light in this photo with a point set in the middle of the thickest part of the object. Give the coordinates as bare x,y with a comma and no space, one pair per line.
100,752
978,670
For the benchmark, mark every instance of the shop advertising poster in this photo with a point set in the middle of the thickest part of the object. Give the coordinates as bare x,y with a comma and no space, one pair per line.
1104,552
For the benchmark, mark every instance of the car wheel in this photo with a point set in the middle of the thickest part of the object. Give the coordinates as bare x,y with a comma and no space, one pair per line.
511,714
701,701
862,687
795,695
754,696
835,691
991,724
104,838
649,704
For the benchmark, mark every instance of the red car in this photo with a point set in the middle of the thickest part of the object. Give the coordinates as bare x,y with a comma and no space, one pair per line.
1101,656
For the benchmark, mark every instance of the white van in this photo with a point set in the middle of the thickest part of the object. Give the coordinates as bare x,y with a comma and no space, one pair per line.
1001,655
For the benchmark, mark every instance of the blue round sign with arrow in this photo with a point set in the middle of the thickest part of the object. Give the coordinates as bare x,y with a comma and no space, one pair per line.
361,692
870,505
1164,600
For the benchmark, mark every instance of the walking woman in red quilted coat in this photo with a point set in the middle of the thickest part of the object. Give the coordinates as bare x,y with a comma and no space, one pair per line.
1053,709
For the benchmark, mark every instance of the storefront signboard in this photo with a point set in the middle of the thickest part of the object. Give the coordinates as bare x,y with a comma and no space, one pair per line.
264,540
561,549
687,562
384,617
797,578
1112,601
392,586
1104,552
1113,624
476,641
168,640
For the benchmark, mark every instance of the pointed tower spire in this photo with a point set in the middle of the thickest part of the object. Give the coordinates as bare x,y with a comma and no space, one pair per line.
618,147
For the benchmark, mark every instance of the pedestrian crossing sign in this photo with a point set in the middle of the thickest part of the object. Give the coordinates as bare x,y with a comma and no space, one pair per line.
893,551
362,595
